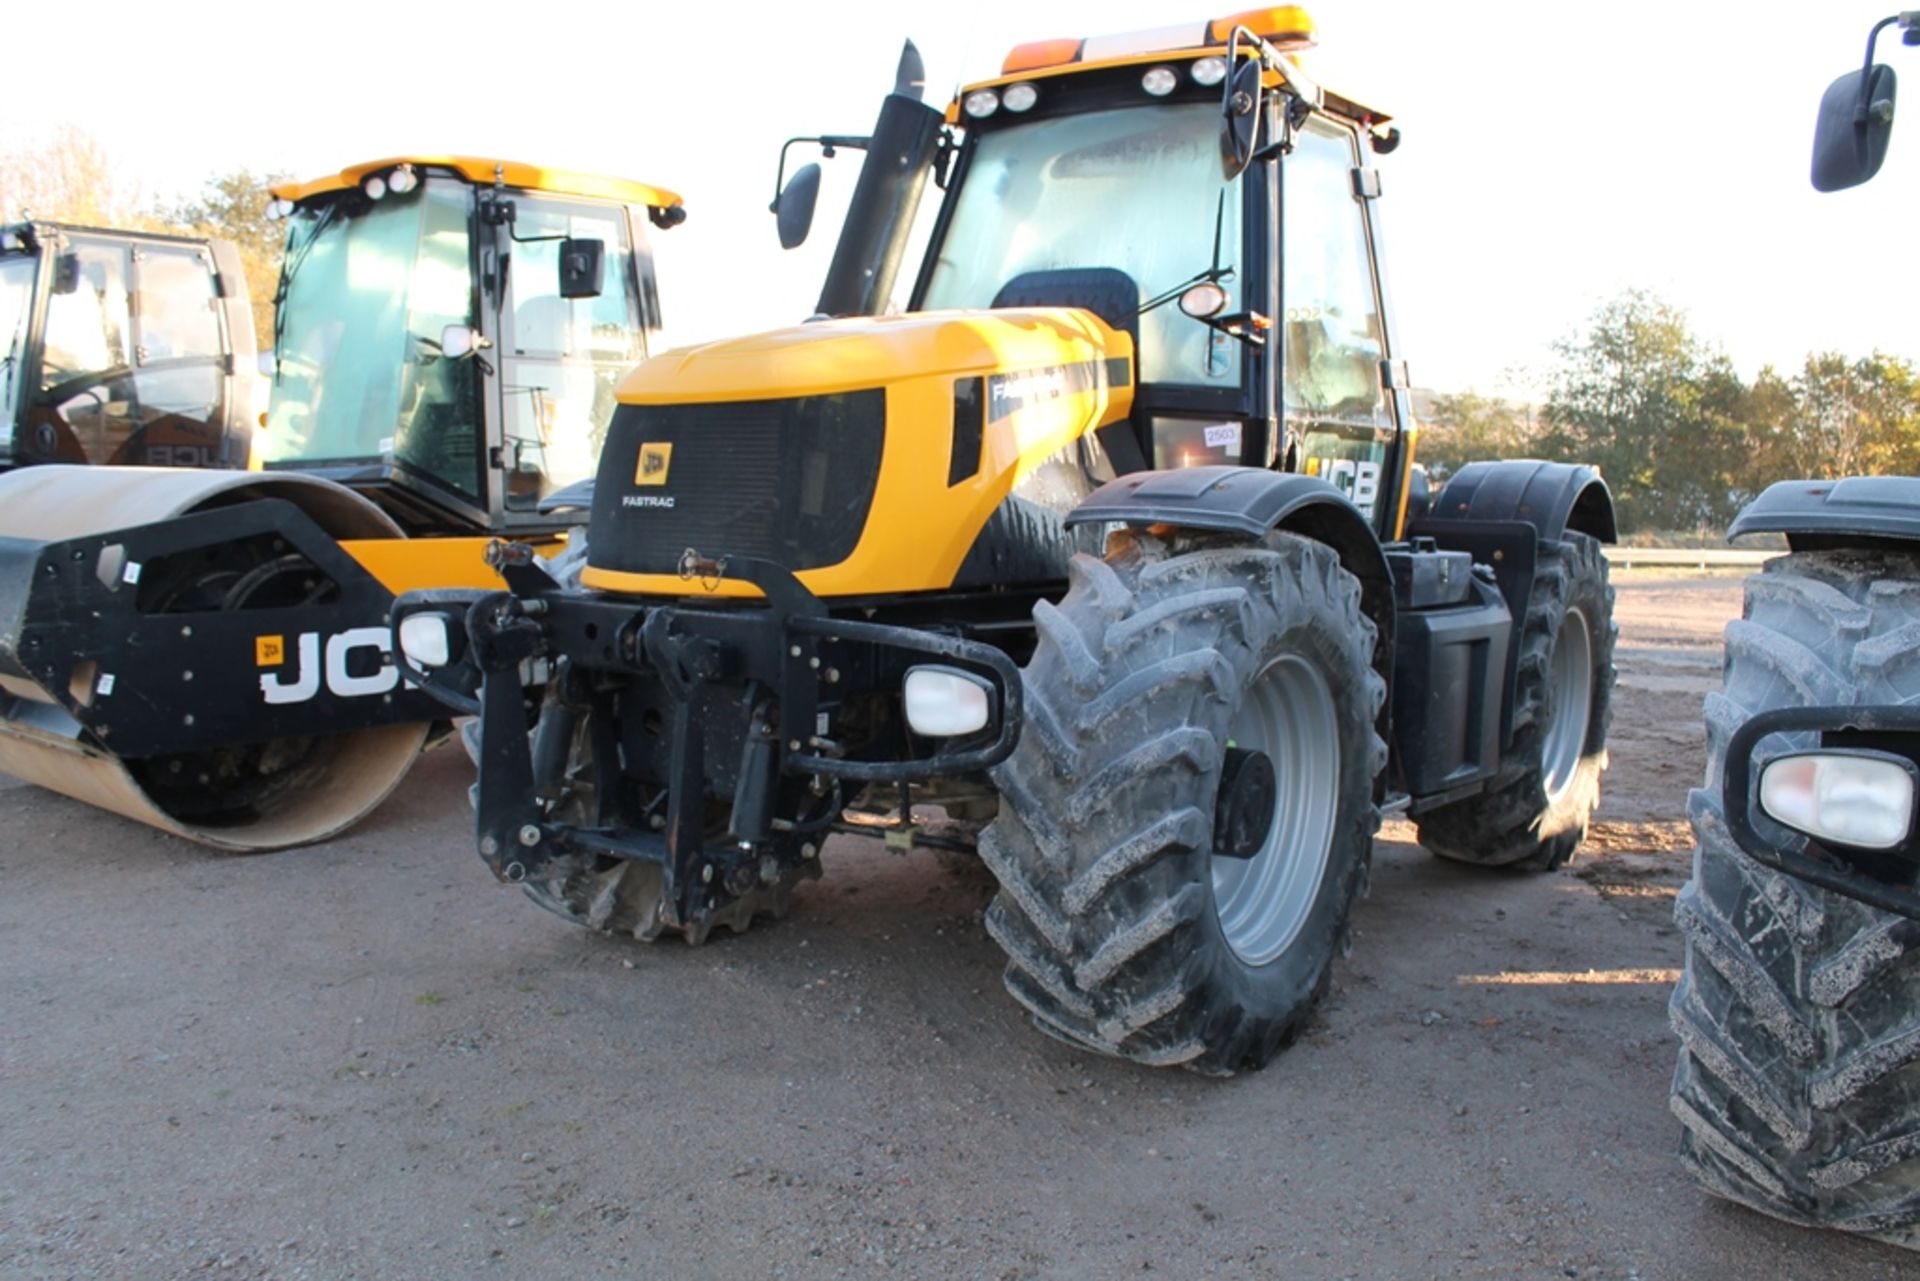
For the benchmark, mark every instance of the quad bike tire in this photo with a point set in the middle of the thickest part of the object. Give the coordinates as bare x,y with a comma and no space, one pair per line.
1124,933
1535,812
1798,1010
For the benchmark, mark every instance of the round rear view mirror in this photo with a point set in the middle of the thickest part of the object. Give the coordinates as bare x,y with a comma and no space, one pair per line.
1204,301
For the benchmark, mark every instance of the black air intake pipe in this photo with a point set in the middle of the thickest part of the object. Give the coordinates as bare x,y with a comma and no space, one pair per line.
873,239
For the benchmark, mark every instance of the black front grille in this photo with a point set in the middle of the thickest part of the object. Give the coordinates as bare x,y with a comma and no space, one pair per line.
789,481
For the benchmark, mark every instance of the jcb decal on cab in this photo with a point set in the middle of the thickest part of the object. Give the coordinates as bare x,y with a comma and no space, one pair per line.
1357,479
338,669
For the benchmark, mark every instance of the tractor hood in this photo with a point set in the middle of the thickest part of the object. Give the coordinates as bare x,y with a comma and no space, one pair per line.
832,356
865,455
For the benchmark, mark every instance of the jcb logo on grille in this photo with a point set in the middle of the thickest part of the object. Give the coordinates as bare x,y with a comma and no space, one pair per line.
373,674
652,468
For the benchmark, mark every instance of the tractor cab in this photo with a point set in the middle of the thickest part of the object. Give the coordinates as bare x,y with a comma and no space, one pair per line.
122,347
1195,189
448,332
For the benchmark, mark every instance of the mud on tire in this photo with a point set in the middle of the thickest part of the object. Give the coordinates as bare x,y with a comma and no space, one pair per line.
1799,1009
1534,815
1108,909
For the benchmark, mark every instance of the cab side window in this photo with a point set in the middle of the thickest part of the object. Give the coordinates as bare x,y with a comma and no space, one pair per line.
84,408
180,361
562,357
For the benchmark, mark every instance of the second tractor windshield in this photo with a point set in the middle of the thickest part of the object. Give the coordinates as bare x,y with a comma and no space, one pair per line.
1135,189
360,374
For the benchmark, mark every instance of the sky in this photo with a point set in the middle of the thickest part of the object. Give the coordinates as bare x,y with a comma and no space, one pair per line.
1554,154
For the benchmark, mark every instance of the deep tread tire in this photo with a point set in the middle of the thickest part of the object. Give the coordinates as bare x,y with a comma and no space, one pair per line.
1103,845
1799,1009
1515,823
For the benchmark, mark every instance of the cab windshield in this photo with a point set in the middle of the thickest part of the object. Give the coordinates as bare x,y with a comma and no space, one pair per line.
1136,189
360,377
16,302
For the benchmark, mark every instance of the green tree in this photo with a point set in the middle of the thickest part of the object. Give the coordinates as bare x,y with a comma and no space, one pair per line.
233,206
1657,410
1855,416
1463,427
68,178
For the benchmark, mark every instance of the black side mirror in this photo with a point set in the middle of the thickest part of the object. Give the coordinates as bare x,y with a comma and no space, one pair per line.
1856,121
1241,107
583,268
66,273
794,209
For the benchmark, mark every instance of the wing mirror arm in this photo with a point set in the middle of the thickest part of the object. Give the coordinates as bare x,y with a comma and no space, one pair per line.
1245,105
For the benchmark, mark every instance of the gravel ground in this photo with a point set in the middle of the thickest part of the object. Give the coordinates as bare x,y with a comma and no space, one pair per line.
367,1060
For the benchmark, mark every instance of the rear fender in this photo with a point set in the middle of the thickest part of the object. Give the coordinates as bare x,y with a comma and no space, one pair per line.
1551,497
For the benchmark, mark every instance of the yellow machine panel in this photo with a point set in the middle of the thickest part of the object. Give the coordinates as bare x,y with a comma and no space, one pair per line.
1048,376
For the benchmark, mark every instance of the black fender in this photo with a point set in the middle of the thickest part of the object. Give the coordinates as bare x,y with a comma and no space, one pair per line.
1860,511
1250,501
1552,497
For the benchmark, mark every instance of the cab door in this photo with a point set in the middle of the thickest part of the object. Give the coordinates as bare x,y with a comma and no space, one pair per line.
561,358
1339,418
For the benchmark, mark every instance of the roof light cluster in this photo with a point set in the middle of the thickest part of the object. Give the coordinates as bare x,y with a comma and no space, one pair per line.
1016,98
398,181
1285,26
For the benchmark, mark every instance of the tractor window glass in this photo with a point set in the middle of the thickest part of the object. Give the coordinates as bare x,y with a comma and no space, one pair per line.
562,357
16,310
361,377
1332,342
1136,190
84,409
178,316
180,371
439,425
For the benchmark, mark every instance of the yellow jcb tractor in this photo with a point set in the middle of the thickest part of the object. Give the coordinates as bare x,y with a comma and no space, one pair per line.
125,347
210,653
1113,538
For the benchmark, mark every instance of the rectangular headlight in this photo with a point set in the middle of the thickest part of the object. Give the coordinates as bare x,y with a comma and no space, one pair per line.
1859,799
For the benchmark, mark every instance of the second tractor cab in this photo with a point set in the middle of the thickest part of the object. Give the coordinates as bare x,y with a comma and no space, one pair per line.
449,330
212,653
125,347
1110,539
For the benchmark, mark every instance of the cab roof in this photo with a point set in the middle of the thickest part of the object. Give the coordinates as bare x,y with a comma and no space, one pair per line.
482,171
1288,28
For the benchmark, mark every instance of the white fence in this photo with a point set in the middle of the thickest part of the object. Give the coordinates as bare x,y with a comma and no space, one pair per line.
1687,557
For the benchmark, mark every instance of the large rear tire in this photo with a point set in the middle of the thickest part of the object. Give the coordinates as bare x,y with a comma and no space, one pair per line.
1124,932
1535,812
1799,1009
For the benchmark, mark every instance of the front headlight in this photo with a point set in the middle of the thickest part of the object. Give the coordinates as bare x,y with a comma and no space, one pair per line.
945,702
423,639
1848,798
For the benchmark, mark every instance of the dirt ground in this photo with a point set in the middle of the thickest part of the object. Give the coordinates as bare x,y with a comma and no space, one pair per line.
368,1060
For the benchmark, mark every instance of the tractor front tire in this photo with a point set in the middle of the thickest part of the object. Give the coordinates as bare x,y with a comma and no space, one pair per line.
1124,932
1535,812
1799,1009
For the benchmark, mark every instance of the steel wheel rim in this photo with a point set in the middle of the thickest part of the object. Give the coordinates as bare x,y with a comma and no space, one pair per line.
1569,704
1262,903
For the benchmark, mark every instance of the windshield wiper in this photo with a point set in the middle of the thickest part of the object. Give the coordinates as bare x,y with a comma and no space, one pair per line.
1212,275
296,258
